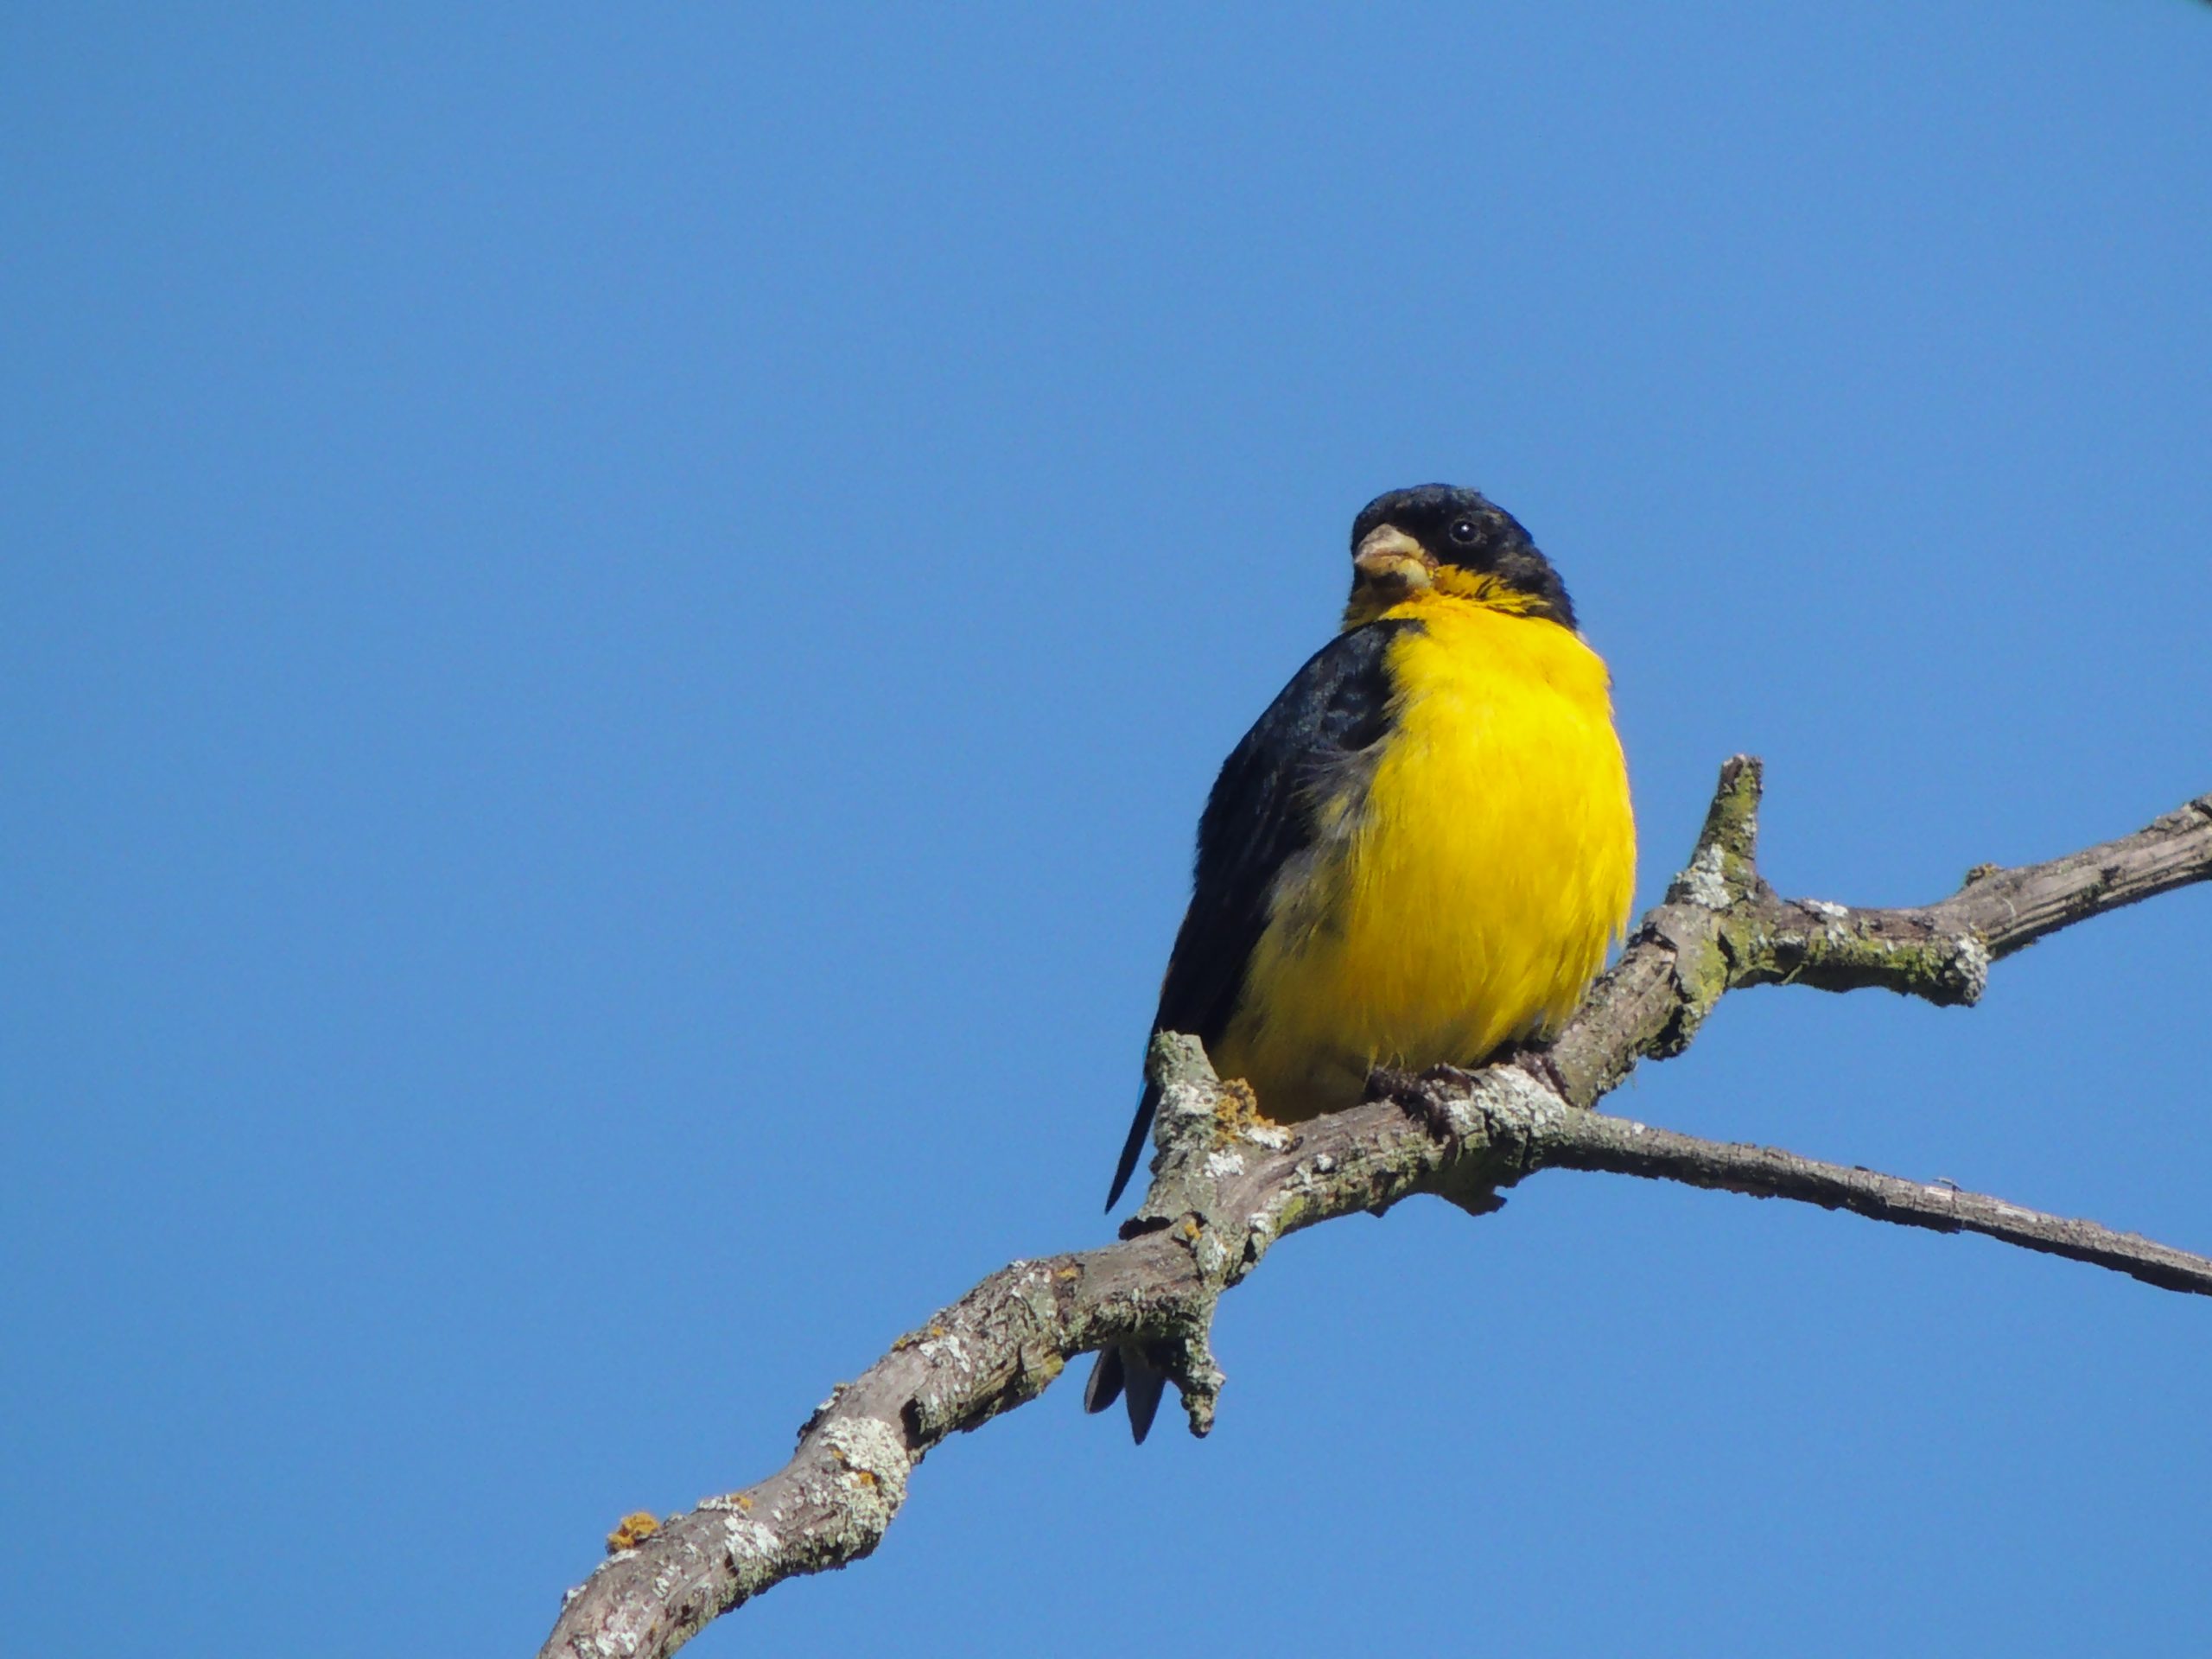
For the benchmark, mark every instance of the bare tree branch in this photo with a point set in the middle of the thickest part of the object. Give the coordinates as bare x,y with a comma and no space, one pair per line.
1596,1140
1722,927
1227,1184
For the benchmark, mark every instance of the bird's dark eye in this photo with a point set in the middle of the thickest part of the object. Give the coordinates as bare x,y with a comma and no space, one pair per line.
1464,530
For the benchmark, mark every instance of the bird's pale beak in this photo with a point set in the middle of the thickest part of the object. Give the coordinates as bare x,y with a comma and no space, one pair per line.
1390,562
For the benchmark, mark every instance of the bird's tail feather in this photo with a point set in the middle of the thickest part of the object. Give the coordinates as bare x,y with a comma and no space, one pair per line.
1133,1148
1126,1373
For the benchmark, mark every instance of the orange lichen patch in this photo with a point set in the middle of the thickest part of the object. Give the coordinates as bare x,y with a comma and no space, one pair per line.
1237,1117
1236,1107
631,1531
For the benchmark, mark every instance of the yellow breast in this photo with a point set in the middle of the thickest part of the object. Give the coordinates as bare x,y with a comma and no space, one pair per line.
1466,888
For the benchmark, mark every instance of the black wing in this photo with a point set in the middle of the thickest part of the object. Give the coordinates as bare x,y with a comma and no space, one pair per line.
1257,819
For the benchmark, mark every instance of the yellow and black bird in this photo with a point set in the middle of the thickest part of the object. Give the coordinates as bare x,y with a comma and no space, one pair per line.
1421,853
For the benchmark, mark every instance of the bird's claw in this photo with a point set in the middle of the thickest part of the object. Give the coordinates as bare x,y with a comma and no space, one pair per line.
1538,1064
1421,1095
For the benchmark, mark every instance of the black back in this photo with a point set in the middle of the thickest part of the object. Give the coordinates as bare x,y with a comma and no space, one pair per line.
1257,819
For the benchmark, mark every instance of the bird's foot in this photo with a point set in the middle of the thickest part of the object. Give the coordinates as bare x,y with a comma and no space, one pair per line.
1449,1076
1538,1064
1435,1099
1424,1096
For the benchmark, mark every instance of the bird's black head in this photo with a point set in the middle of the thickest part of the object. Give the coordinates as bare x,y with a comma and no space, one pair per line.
1436,539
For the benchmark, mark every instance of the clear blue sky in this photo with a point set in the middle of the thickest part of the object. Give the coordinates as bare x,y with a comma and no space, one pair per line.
615,623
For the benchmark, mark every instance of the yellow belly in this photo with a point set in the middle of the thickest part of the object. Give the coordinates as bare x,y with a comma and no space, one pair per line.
1467,891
